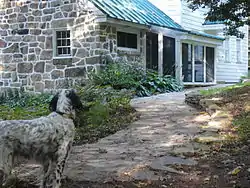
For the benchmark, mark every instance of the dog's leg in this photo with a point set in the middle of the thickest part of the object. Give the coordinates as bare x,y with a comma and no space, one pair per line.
63,154
47,166
48,174
6,164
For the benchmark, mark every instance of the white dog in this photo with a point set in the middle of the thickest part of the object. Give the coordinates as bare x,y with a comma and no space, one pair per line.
46,140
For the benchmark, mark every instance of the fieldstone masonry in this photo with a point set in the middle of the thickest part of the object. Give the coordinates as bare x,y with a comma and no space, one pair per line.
26,44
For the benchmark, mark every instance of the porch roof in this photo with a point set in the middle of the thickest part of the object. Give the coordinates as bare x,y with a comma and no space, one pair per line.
136,11
206,35
142,12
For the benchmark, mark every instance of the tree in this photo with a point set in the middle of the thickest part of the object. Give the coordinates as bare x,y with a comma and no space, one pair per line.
233,13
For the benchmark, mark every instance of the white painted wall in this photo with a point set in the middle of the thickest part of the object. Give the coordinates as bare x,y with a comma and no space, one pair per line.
192,20
170,7
232,70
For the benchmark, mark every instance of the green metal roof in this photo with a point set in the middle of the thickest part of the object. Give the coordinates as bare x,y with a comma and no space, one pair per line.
136,11
141,12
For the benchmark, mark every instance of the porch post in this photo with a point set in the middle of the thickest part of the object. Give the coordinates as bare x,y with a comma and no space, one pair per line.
205,65
160,54
193,63
144,49
178,60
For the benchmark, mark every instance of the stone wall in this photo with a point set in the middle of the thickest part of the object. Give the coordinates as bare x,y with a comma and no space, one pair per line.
26,45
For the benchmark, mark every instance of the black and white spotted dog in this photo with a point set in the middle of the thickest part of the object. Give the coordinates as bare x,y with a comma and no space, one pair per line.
45,140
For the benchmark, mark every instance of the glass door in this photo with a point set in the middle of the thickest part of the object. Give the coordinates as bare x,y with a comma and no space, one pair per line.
199,63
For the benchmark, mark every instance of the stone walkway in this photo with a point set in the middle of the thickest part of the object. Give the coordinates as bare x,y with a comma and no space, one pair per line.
162,136
167,126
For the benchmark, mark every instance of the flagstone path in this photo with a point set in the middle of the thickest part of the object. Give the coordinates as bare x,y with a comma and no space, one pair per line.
162,136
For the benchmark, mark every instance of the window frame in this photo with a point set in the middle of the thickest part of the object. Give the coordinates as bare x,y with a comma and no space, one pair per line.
129,31
226,47
238,51
55,55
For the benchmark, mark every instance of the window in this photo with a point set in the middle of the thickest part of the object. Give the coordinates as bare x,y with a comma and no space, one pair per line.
63,43
226,48
238,50
127,40
198,63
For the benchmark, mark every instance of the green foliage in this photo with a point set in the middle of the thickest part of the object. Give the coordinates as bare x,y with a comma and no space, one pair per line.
132,76
233,14
153,83
223,90
106,111
119,75
15,105
242,123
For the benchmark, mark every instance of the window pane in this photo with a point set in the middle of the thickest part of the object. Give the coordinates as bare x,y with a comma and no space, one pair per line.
68,42
187,62
58,34
65,51
64,42
59,52
127,40
68,34
68,50
64,34
59,43
199,63
132,40
209,64
238,48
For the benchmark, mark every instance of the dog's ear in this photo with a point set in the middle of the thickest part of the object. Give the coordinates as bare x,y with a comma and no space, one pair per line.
53,103
75,100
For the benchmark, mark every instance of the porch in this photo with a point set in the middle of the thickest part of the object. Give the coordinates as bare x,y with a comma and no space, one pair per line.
190,57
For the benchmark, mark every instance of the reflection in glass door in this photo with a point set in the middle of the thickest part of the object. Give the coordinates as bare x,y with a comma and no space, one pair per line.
199,63
209,64
152,51
187,52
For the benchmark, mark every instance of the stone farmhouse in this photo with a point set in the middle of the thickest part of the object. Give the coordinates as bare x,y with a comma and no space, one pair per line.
51,44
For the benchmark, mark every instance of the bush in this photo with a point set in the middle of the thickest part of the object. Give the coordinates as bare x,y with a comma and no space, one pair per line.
153,84
119,75
132,76
106,111
21,105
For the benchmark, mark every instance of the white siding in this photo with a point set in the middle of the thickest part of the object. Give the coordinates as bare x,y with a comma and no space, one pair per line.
192,20
170,7
231,71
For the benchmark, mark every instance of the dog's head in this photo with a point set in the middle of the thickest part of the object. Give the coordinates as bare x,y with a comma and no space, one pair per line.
66,102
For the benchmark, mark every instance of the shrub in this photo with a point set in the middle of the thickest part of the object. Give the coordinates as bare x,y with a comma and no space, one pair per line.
153,84
106,111
21,105
119,75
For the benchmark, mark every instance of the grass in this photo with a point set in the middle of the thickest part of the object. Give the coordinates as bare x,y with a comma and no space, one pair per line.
237,101
215,91
242,122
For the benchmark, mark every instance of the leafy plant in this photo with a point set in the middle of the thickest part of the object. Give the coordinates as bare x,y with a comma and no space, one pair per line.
119,75
106,111
16,104
153,83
